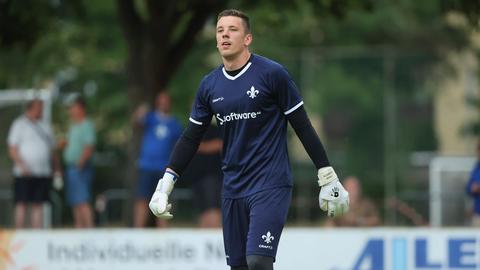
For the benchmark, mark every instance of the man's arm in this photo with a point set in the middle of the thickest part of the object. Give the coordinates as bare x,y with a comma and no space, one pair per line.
473,186
86,154
182,154
57,164
186,147
333,197
13,140
15,156
311,142
138,117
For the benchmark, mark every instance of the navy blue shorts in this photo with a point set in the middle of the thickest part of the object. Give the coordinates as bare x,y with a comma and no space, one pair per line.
31,189
252,225
147,183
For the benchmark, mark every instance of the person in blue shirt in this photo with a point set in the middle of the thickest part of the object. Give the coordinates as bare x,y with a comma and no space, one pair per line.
252,99
473,190
160,133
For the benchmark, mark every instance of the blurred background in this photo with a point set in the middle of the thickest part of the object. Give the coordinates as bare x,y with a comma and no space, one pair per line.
391,88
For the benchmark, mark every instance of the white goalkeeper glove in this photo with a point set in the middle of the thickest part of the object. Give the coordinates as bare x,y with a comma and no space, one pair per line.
159,203
333,197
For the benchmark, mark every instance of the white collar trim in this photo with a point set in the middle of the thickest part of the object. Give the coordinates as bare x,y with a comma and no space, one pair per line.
239,74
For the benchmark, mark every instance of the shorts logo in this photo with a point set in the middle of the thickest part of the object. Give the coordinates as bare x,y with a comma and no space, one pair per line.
252,93
268,238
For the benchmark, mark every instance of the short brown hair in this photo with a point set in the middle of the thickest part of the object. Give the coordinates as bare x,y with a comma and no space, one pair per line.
80,101
236,13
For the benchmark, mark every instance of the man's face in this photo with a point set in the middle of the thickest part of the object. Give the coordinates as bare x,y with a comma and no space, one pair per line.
162,102
75,111
36,110
232,38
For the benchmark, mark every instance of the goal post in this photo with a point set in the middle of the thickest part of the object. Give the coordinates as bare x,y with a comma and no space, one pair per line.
448,200
18,96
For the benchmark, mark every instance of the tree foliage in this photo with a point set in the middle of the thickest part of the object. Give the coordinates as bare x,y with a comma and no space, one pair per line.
159,35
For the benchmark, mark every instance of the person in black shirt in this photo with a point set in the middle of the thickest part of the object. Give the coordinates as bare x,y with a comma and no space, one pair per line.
205,175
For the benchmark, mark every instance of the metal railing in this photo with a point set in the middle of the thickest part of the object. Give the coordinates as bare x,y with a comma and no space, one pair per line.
51,211
106,208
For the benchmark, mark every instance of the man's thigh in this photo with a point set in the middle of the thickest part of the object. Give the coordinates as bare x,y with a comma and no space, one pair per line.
253,225
268,214
235,221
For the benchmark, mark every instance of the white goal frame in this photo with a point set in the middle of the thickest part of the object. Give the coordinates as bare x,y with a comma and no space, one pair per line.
437,166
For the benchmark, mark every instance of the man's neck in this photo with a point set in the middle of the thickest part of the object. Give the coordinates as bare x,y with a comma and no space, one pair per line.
31,117
79,119
237,61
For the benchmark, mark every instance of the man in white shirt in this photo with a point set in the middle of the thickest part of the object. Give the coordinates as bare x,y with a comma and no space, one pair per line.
31,143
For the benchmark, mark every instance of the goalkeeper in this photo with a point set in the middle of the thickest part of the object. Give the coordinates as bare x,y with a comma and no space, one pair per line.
252,99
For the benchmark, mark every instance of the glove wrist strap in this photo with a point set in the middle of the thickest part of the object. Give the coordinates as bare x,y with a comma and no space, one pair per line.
326,175
165,185
170,175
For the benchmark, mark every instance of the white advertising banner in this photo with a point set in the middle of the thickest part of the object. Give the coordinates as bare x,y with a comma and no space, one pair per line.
194,249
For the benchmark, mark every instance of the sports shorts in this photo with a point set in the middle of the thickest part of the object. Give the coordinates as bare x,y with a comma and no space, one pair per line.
253,225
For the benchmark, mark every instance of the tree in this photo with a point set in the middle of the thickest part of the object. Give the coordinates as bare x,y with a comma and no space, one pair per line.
18,15
471,9
159,40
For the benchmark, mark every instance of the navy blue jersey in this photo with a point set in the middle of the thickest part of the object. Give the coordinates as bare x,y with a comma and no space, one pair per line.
250,109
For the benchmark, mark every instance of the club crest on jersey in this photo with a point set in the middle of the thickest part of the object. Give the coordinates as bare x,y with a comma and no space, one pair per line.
252,93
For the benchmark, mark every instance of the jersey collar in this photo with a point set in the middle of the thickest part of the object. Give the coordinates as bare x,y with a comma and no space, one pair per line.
239,74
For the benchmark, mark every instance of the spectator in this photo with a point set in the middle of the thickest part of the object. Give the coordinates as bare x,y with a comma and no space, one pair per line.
205,174
78,153
473,190
30,142
363,211
160,133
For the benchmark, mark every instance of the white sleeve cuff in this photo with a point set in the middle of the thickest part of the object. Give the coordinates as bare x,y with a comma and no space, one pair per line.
293,108
195,121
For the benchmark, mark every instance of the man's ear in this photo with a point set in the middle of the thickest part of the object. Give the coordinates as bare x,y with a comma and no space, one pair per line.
248,39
